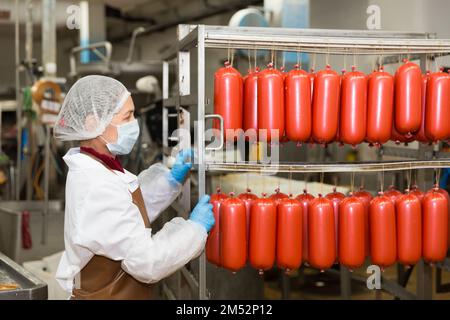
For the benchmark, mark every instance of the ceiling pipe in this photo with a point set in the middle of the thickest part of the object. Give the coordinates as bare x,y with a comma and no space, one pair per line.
211,11
112,12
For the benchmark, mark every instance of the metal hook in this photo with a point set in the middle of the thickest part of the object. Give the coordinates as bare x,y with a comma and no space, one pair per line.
381,59
352,182
438,174
290,180
263,183
314,61
256,58
246,180
382,180
232,57
321,181
327,57
409,177
273,56
436,65
345,59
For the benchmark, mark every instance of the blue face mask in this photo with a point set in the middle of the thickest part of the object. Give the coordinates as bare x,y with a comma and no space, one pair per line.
127,135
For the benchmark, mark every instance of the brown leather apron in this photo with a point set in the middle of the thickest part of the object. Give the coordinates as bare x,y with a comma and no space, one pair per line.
104,279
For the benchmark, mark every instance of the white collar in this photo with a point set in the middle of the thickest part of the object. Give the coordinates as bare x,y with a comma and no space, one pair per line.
77,160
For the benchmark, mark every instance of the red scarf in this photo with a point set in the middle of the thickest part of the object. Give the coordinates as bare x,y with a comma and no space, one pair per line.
112,163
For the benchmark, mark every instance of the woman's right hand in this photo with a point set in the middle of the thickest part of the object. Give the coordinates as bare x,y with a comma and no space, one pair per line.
202,213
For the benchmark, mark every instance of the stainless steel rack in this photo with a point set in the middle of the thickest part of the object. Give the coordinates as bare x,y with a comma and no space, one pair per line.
330,167
202,37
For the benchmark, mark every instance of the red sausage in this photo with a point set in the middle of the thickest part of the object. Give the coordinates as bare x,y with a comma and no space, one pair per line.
228,91
250,120
322,247
351,232
365,198
312,77
248,198
325,110
270,103
408,108
233,234
445,193
409,228
435,226
421,134
263,224
383,242
336,198
213,242
338,137
380,107
289,234
437,126
353,111
304,200
298,105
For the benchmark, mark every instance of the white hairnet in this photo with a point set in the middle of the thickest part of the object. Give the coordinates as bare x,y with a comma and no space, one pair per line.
89,107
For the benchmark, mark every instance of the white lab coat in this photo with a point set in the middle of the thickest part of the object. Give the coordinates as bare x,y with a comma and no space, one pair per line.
101,219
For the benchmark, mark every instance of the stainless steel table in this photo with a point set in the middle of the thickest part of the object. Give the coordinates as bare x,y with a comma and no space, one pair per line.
29,286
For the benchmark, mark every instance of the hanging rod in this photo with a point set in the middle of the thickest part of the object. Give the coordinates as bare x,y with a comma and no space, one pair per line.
327,46
324,41
329,167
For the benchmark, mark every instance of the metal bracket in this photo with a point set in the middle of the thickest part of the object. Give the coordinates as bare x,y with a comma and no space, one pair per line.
168,292
192,282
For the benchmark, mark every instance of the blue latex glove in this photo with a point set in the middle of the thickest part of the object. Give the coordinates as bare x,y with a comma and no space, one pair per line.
202,213
181,168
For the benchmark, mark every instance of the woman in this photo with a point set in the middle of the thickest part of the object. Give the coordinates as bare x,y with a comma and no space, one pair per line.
110,251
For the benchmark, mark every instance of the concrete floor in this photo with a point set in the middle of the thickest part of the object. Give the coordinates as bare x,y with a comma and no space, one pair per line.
326,287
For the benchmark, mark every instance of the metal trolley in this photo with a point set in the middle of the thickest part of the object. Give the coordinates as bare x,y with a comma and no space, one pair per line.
387,45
